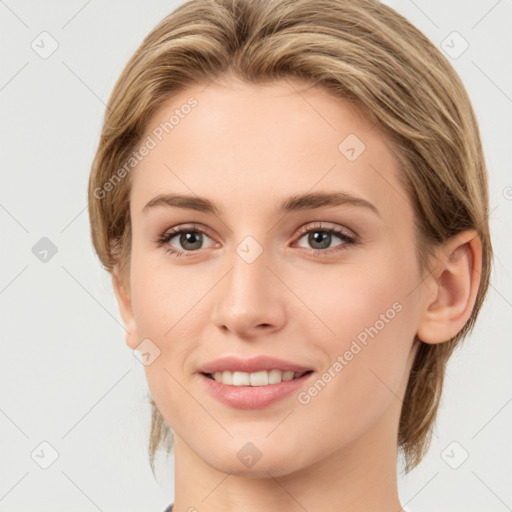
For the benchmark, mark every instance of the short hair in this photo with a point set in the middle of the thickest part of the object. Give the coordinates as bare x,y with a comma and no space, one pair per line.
362,52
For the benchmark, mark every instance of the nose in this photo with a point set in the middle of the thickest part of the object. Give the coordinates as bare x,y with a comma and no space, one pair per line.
250,300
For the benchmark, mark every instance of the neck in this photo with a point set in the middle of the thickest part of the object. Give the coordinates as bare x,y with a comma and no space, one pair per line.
360,476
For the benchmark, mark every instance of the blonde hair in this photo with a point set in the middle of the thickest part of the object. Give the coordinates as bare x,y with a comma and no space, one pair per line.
362,52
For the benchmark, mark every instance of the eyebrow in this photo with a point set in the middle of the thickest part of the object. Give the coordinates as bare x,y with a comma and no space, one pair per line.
298,202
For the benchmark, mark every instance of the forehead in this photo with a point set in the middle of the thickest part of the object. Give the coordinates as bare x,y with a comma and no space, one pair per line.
239,142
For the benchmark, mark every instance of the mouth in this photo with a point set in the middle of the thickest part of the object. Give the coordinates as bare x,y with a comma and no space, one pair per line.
255,379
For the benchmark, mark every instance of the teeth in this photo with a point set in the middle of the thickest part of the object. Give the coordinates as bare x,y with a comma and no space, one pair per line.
261,378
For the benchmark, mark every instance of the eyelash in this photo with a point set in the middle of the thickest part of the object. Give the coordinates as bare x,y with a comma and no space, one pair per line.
168,235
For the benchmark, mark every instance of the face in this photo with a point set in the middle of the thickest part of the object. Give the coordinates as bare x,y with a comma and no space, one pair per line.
330,286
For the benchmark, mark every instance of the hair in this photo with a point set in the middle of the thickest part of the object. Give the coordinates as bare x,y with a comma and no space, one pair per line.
362,52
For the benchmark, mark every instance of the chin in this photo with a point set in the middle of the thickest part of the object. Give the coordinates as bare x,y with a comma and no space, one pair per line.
260,470
248,462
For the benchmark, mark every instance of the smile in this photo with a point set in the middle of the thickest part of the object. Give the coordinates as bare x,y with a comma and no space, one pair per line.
261,378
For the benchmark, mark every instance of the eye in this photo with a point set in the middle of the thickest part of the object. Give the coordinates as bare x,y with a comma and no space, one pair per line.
320,238
188,238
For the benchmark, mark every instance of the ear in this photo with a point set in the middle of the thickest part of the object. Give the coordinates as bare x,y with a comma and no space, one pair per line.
122,291
452,288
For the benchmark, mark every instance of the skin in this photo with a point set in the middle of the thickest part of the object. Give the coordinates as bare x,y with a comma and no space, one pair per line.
247,148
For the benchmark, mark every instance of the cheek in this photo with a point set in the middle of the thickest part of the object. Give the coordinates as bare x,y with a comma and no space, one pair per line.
347,299
166,309
365,316
365,362
361,385
163,294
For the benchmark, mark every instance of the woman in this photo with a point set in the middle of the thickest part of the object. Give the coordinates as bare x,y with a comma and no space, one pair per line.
291,197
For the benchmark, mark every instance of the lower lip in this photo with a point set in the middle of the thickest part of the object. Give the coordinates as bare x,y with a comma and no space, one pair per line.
253,397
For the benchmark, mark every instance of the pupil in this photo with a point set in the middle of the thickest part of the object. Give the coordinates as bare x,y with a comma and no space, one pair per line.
324,239
191,238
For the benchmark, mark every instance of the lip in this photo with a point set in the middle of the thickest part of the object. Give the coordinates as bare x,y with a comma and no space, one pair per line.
254,397
253,364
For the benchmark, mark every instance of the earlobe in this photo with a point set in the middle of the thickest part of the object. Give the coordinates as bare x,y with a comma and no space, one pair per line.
454,284
125,308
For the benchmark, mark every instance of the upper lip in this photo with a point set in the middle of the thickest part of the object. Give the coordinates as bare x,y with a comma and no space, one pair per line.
253,364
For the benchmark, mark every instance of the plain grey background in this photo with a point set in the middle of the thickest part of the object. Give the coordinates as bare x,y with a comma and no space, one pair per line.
71,389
